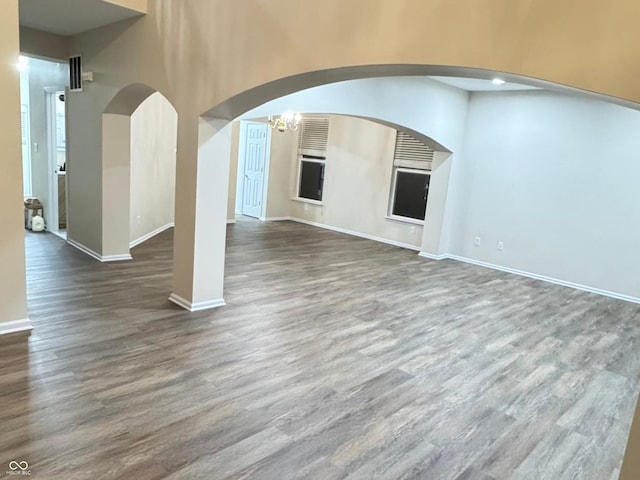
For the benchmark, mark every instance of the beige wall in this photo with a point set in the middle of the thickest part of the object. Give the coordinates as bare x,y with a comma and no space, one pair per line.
282,170
44,44
138,5
153,166
12,277
166,48
116,171
358,174
631,463
233,170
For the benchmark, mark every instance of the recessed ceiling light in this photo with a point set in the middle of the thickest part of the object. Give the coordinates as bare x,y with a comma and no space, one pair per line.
498,81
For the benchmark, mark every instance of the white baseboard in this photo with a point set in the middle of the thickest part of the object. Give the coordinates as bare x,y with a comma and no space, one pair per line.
197,306
432,256
97,256
149,235
535,276
15,326
116,258
229,222
355,234
84,249
275,219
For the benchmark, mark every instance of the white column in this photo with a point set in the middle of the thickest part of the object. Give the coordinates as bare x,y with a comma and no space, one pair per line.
13,293
434,243
116,174
202,182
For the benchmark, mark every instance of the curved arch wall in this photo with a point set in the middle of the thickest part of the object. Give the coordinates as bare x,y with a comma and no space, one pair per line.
550,175
202,53
431,108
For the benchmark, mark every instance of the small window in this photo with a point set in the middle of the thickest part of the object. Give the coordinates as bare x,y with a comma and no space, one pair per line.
411,176
411,189
312,158
311,179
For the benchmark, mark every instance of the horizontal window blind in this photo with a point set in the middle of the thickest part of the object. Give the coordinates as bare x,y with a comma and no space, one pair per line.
412,153
314,134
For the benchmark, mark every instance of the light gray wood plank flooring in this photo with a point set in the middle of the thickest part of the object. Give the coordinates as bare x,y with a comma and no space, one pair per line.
335,358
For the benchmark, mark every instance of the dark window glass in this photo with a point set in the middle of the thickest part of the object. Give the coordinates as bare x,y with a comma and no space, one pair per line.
311,180
411,194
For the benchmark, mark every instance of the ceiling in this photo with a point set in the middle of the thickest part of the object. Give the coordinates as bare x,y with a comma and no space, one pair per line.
70,17
480,85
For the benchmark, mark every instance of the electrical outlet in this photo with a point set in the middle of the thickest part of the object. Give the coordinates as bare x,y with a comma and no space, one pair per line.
138,219
476,242
500,245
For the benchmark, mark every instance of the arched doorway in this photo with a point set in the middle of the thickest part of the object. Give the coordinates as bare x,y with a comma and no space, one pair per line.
139,128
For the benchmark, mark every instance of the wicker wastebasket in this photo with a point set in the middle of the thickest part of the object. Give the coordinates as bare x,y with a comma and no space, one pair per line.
32,207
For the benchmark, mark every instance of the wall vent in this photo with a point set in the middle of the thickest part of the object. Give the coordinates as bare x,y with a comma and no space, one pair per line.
412,153
75,73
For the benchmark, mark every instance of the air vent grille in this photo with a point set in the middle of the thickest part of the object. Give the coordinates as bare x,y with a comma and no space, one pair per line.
75,73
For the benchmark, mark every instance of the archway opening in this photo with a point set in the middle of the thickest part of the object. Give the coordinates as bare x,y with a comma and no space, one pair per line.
138,168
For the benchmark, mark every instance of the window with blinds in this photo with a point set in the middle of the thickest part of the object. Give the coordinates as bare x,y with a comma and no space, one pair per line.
412,161
312,146
412,153
314,135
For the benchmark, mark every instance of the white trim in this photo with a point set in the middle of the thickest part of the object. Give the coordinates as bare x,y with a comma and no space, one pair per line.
84,249
275,219
355,234
15,326
307,200
149,235
52,215
265,175
535,276
197,306
116,258
97,256
392,198
229,222
432,256
59,234
412,221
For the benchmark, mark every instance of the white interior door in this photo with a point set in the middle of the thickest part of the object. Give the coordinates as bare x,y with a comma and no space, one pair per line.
55,214
255,157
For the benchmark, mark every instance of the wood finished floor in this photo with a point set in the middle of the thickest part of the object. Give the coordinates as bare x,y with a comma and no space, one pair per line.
335,358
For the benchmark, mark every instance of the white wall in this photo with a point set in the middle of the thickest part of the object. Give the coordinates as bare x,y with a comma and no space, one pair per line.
428,107
553,176
556,178
153,166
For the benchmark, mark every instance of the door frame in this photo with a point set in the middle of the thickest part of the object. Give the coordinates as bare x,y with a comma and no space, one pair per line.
51,212
241,162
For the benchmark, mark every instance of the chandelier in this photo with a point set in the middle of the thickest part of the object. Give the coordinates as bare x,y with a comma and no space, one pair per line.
286,121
